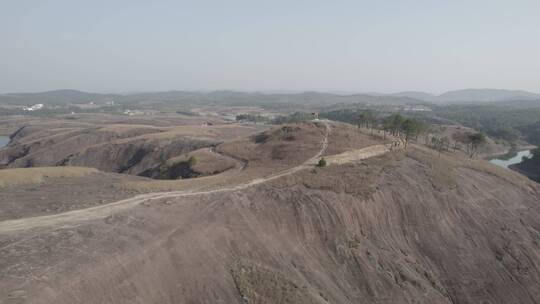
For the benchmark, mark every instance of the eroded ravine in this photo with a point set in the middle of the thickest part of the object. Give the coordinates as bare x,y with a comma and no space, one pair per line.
75,216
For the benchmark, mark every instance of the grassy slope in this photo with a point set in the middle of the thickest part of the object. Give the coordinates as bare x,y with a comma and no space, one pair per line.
20,176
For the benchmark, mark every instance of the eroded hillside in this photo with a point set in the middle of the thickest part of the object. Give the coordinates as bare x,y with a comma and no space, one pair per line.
121,147
396,227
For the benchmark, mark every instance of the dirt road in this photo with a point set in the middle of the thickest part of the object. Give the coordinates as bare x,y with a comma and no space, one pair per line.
73,217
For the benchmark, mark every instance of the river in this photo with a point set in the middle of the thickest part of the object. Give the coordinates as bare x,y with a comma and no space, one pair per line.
516,159
4,140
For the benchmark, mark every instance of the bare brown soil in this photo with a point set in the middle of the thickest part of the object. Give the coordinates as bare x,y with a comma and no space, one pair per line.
255,158
372,227
54,195
23,176
113,147
277,149
346,137
209,162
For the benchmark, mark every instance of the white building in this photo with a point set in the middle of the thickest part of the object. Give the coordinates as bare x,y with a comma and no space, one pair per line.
35,107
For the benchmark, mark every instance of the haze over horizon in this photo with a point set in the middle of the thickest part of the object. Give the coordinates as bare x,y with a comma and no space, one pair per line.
351,46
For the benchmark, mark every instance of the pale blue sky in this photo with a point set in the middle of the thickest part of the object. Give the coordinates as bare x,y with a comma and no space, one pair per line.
115,46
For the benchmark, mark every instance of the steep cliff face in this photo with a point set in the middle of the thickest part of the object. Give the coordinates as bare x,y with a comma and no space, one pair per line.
406,227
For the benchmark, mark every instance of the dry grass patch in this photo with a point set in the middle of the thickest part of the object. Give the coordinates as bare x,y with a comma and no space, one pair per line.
346,137
208,163
21,176
121,128
191,184
443,169
222,132
278,148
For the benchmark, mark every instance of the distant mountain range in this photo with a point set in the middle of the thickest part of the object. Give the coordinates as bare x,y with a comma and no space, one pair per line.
194,97
55,97
234,97
471,95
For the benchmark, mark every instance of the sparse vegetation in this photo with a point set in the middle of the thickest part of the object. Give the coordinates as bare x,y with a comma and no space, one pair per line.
261,138
367,119
192,161
508,122
406,128
21,176
472,141
292,118
440,143
252,118
334,203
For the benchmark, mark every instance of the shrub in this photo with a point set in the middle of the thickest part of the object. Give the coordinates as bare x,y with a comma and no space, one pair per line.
322,163
192,161
261,138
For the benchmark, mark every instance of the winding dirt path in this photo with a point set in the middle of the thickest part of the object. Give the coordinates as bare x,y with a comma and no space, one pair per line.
240,163
73,217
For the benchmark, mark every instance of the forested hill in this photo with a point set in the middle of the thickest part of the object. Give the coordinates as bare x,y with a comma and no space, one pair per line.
499,120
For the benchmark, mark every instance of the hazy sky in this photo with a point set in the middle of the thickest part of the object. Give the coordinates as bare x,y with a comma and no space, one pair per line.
336,45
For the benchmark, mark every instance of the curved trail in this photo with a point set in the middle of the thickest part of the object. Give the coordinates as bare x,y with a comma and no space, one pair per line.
75,216
241,163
